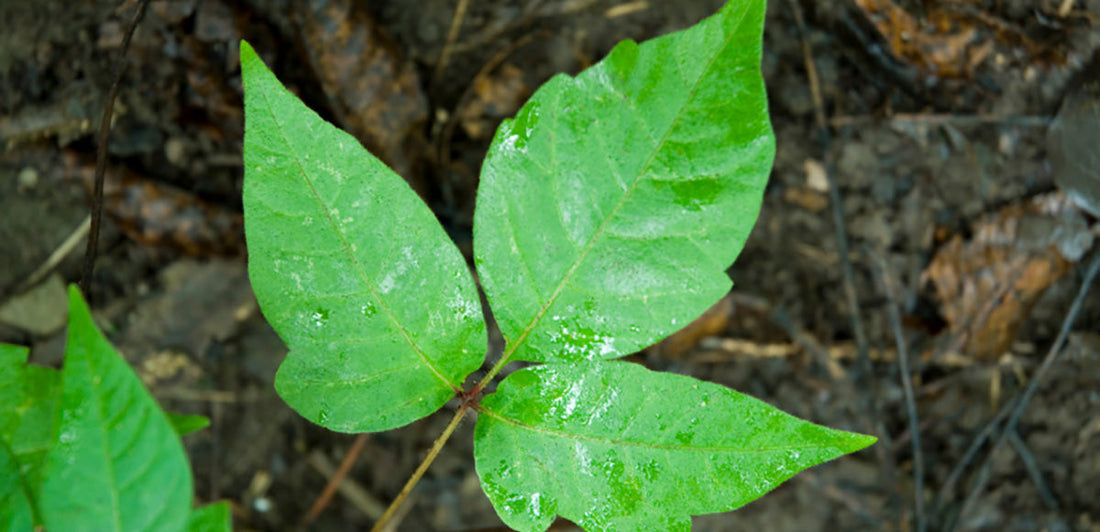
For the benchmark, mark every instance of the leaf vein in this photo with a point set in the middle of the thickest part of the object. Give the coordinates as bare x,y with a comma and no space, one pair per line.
347,248
512,349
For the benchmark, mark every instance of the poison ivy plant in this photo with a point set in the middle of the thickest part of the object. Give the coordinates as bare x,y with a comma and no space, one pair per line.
608,212
88,448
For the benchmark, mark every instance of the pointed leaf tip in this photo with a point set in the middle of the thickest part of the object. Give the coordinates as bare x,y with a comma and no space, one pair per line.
247,51
352,269
859,442
610,208
111,439
615,446
77,304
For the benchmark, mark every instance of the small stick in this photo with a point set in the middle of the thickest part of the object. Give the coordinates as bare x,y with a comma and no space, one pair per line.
799,335
1065,8
443,147
101,154
864,383
968,456
1032,467
864,360
624,9
57,256
532,11
834,198
452,35
380,525
1033,385
442,141
937,119
907,388
336,481
349,488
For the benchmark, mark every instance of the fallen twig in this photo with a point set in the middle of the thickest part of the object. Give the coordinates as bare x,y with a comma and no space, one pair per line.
369,505
968,457
443,141
864,384
1032,467
907,388
452,35
101,153
937,119
56,257
1025,399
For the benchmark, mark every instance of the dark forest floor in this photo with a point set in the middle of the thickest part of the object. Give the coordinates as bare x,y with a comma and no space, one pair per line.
938,145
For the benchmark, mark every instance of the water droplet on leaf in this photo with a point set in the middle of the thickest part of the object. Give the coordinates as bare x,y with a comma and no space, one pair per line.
320,317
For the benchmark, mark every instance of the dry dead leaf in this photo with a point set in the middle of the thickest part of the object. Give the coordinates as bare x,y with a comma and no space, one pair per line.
373,90
987,284
949,42
159,215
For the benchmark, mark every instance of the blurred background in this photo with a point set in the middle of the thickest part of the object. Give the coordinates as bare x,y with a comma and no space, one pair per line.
963,139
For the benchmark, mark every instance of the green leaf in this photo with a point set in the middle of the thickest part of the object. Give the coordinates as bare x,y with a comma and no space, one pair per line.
350,267
210,518
115,463
15,505
610,207
614,446
185,424
28,395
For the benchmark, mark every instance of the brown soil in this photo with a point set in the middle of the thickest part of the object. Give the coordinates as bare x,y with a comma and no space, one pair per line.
921,152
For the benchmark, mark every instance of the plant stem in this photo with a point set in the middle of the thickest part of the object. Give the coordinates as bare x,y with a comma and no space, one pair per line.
494,370
337,478
432,453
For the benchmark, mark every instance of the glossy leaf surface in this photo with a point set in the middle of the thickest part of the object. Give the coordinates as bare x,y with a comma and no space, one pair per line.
610,207
351,268
115,462
615,446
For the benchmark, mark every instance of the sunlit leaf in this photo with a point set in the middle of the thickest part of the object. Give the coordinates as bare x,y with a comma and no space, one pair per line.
611,206
351,268
115,462
614,446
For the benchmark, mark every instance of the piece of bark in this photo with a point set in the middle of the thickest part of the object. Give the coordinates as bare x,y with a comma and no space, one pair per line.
373,90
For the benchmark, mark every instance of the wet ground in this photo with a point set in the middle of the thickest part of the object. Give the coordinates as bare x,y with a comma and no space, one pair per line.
937,114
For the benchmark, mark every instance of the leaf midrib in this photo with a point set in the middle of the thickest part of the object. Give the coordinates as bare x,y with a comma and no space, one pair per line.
346,247
567,277
101,414
654,446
